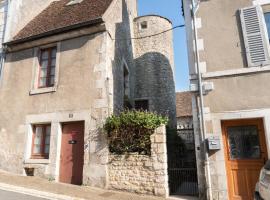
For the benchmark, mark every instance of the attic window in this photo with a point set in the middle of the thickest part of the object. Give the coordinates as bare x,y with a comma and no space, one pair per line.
143,25
72,2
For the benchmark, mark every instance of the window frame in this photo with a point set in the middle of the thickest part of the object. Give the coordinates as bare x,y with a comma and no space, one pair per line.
34,89
41,155
49,67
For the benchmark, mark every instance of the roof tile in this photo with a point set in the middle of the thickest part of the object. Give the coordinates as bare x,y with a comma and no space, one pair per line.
184,104
59,15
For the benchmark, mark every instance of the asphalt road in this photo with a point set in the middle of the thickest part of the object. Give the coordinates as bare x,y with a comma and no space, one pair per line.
6,195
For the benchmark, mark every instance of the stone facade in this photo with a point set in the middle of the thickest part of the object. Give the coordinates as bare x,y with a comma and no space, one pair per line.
89,87
239,91
140,173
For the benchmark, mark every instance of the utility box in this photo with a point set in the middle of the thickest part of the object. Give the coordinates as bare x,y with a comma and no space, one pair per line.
213,143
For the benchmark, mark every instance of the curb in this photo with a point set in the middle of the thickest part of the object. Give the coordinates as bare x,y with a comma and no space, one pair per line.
36,193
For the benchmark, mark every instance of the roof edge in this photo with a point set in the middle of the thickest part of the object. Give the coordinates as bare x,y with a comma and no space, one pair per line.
96,21
152,15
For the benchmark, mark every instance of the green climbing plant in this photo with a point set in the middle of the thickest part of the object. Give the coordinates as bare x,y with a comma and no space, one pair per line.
130,131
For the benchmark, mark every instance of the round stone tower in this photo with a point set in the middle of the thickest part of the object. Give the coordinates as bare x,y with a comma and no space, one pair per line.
154,61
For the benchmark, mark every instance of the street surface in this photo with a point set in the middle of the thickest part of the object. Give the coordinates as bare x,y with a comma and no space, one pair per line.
7,195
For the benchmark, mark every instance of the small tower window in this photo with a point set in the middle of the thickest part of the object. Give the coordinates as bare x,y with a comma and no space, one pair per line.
143,25
142,104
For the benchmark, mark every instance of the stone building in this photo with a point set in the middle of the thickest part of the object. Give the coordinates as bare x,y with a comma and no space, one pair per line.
228,45
184,115
69,64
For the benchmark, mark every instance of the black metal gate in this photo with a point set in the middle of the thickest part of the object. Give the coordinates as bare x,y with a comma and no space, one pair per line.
182,162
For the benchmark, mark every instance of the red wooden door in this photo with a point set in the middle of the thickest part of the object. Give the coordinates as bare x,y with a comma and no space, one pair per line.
72,153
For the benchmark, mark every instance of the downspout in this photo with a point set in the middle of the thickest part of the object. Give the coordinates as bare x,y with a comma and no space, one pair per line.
201,101
3,55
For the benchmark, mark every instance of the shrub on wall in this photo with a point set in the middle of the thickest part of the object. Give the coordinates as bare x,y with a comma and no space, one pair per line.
130,131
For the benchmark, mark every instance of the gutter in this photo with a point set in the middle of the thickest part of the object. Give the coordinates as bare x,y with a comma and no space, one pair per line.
201,110
56,31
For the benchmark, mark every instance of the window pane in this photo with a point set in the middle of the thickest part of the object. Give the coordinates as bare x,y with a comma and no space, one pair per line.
37,140
54,53
47,140
53,71
44,64
43,72
244,142
47,149
48,130
48,135
38,135
45,55
267,21
37,149
53,62
52,80
42,82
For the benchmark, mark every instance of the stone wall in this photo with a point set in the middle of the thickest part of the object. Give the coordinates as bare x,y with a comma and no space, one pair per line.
155,65
141,173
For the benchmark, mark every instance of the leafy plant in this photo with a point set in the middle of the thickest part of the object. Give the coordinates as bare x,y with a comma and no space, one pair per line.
130,131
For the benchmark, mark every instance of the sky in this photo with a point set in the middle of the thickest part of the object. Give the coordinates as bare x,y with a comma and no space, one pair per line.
172,10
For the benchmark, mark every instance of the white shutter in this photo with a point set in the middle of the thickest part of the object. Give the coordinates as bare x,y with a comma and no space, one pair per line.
255,36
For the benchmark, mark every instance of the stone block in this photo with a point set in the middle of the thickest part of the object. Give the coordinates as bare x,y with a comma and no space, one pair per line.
159,139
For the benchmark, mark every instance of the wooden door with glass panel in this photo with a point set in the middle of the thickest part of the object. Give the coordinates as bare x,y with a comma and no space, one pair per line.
245,155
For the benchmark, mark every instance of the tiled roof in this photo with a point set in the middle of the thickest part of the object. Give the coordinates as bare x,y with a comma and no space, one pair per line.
183,104
59,15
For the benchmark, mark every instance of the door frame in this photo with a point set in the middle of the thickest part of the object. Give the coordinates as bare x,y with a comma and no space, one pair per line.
235,122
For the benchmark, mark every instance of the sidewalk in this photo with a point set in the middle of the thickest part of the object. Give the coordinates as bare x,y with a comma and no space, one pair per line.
52,190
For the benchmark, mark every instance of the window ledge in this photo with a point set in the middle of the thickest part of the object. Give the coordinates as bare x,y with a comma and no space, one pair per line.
234,72
42,90
37,161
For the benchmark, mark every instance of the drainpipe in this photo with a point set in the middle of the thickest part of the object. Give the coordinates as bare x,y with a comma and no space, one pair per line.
201,110
2,60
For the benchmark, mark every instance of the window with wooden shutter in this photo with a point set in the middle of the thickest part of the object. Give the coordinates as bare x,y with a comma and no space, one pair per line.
255,36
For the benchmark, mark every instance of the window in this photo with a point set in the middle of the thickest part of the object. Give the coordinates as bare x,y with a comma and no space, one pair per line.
141,105
47,62
255,36
244,142
41,141
143,25
267,21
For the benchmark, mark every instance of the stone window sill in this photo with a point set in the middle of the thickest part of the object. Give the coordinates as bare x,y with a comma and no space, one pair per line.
42,90
37,161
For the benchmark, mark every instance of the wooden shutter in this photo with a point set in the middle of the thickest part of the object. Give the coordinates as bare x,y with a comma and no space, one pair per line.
255,36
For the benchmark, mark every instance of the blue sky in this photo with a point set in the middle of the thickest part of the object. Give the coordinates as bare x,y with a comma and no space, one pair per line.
171,9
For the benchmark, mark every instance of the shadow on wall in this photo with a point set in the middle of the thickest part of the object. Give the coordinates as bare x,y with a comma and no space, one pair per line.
73,44
123,51
150,75
155,82
240,33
